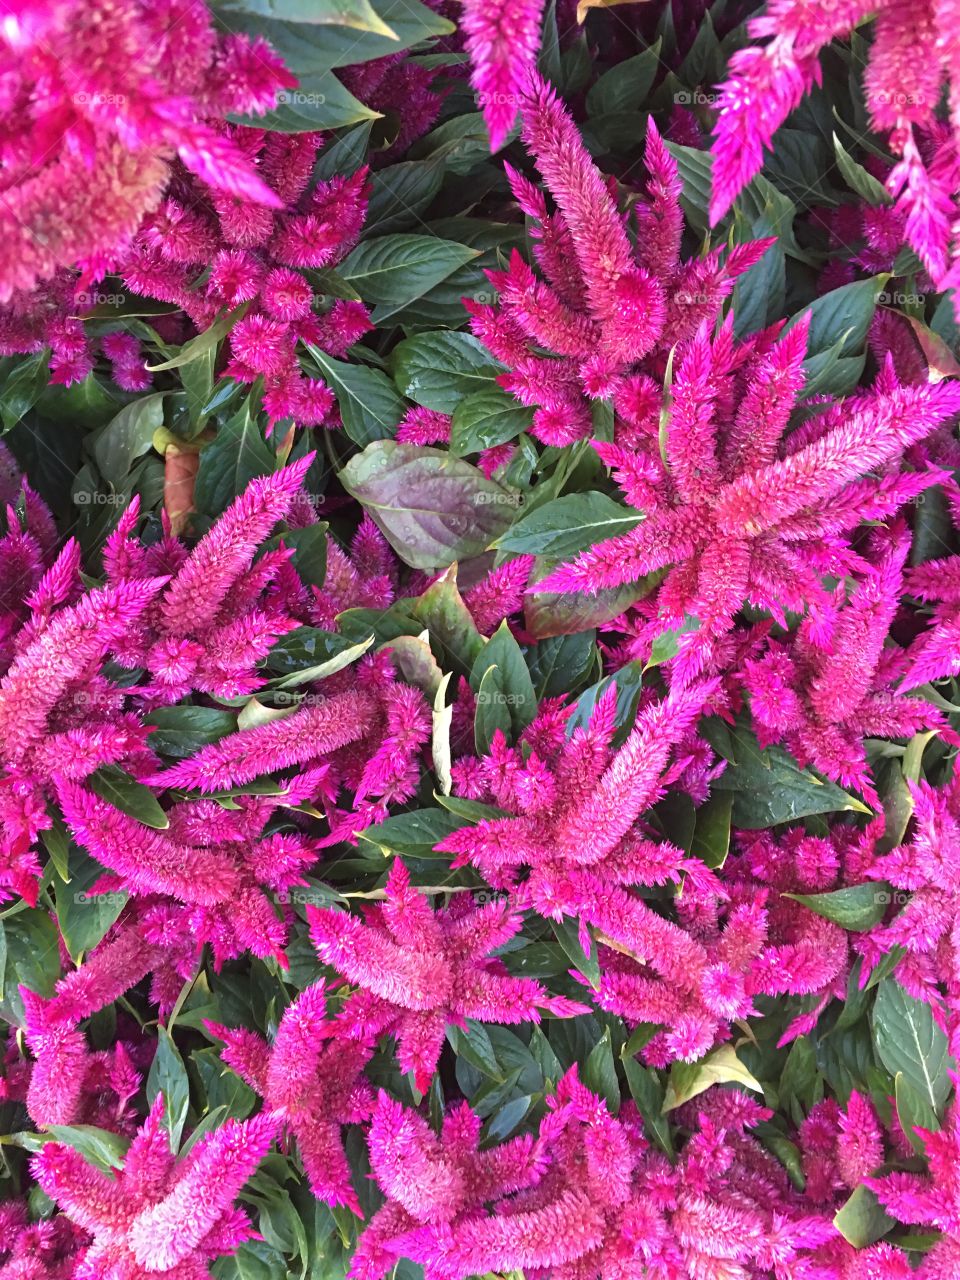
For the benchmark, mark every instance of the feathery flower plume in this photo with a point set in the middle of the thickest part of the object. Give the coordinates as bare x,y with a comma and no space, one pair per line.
737,514
312,1081
420,970
502,39
159,1215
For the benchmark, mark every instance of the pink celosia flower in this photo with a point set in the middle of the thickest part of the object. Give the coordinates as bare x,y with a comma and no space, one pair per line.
604,306
831,684
435,1179
311,1081
420,970
502,39
601,1194
737,513
98,104
159,1215
575,807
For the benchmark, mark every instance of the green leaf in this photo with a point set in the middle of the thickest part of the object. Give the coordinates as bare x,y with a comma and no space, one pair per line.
862,1220
505,694
908,1041
400,193
222,1086
168,1076
452,630
439,369
770,787
842,317
913,1112
625,88
722,1066
559,613
367,399
647,1093
127,437
857,177
309,48
341,659
238,455
711,835
412,834
202,343
431,507
23,387
667,643
487,418
627,682
568,935
129,796
563,527
100,1147
359,15
560,665
473,1044
600,1073
83,917
309,546
858,908
180,731
307,647
394,270
320,102
32,951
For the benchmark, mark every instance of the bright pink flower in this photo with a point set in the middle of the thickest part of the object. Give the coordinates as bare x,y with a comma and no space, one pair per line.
159,1214
420,970
312,1082
502,39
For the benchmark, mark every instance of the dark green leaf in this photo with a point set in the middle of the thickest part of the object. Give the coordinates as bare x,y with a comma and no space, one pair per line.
129,796
412,834
858,908
367,399
600,1073
862,1220
625,87
394,270
487,418
908,1040
23,387
505,695
180,731
770,787
168,1076
913,1112
83,917
127,437
238,455
438,370
565,526
400,193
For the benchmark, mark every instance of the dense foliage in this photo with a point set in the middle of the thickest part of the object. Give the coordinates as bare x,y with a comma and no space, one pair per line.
479,640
